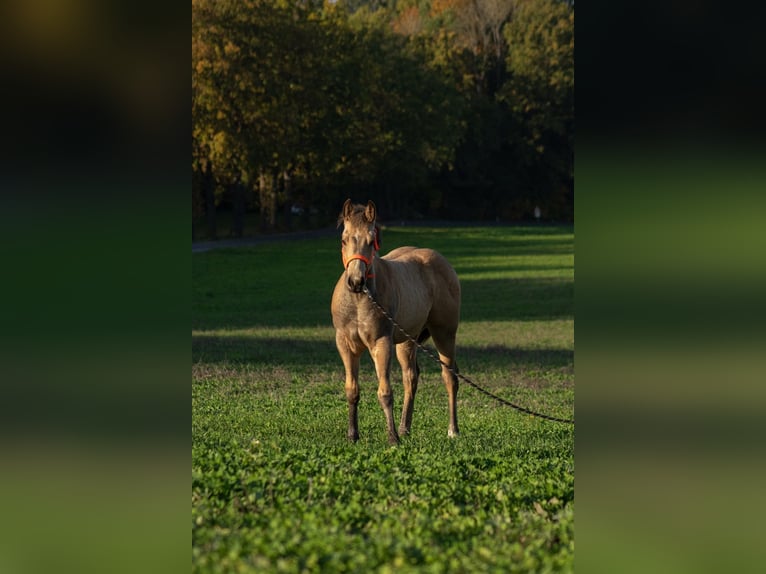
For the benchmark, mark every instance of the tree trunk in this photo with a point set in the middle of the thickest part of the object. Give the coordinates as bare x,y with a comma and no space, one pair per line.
238,201
263,202
198,201
208,186
273,201
288,188
267,192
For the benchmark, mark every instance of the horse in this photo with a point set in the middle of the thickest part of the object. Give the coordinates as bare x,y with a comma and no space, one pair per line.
419,289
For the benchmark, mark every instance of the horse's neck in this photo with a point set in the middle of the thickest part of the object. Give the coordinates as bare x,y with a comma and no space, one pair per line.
382,285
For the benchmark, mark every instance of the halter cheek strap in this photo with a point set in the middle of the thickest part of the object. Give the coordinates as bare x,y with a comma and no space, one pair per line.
367,261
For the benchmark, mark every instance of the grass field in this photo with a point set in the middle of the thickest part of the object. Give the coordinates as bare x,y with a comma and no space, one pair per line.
277,488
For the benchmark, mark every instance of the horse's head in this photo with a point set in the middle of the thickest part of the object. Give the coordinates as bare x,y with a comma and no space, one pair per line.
359,243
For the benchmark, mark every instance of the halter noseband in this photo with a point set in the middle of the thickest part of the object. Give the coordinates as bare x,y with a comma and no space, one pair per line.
367,261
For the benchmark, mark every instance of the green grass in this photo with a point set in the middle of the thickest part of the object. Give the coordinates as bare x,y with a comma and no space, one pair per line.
277,488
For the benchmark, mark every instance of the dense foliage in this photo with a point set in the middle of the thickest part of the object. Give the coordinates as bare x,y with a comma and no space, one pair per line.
445,108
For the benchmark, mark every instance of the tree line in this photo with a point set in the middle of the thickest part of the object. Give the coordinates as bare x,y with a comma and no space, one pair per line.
436,108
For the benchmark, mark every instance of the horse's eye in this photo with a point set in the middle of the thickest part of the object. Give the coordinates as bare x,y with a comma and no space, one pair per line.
342,241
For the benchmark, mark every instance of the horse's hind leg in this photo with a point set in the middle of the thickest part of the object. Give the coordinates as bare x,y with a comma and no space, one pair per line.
406,353
445,344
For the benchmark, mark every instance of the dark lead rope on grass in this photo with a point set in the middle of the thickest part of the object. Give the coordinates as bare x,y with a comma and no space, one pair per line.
431,354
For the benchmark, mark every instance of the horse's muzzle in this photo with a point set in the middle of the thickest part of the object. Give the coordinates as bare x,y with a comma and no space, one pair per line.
355,284
356,275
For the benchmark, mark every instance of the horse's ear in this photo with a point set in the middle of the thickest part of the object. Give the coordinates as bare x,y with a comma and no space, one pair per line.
347,209
369,213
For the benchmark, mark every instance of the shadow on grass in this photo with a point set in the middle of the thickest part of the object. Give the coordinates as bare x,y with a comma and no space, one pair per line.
456,253
531,247
482,300
322,354
291,283
467,271
263,350
499,356
517,299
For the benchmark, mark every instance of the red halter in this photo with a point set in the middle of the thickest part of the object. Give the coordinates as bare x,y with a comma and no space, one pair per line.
367,261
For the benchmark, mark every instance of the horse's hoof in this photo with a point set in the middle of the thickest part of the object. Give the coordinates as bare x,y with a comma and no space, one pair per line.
453,434
393,440
353,437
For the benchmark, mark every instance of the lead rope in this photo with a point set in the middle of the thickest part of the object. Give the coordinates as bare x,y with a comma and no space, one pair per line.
431,354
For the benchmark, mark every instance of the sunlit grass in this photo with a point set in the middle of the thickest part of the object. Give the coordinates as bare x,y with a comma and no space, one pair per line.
276,486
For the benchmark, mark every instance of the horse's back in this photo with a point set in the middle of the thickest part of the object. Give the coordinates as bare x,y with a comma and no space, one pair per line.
438,276
432,261
422,255
399,253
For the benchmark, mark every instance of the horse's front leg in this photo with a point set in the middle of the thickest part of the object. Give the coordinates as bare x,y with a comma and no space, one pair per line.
351,364
406,353
381,352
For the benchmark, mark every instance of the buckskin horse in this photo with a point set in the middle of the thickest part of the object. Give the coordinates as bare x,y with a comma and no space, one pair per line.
419,289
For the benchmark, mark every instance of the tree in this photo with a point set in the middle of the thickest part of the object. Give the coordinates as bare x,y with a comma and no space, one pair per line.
540,94
407,116
419,102
477,27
